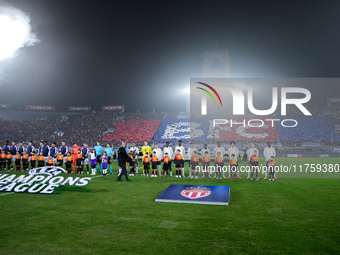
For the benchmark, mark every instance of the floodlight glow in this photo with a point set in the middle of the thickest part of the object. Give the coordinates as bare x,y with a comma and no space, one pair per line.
15,31
186,90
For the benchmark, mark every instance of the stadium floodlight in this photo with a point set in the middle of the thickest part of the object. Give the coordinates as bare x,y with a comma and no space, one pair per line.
186,90
15,31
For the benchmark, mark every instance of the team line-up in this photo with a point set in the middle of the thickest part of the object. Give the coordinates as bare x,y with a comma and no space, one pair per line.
154,160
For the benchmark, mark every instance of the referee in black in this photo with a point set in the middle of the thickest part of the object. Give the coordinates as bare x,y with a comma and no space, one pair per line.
123,157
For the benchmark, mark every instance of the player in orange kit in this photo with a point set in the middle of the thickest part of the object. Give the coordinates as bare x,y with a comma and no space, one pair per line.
75,150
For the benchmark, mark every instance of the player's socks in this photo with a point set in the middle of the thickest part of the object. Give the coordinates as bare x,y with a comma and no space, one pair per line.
183,171
100,168
136,169
251,176
110,169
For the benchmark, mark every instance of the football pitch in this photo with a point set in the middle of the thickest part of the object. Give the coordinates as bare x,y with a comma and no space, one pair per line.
287,216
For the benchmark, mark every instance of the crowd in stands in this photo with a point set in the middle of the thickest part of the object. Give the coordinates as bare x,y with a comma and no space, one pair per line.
136,127
313,129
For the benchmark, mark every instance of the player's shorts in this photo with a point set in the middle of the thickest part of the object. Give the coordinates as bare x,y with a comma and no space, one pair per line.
193,165
46,159
8,161
93,162
60,163
25,163
154,165
146,165
136,161
68,164
233,168
41,163
99,159
206,164
166,166
13,158
79,160
179,164
109,160
33,164
132,163
85,161
220,164
65,158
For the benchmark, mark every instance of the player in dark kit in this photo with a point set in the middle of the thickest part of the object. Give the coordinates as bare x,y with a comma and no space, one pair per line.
60,159
17,161
33,159
146,163
254,165
41,160
2,160
194,161
68,163
9,160
24,161
166,164
79,158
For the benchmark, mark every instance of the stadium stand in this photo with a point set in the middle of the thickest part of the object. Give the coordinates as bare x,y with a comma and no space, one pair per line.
133,131
313,129
313,133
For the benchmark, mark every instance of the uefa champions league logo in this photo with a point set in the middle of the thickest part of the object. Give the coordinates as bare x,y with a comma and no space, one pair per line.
43,180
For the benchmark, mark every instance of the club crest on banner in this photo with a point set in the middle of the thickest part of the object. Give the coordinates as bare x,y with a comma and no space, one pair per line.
195,193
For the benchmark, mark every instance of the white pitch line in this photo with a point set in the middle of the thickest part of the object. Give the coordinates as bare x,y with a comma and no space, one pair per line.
97,176
7,193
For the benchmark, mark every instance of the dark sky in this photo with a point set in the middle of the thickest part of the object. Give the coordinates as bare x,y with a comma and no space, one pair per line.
143,53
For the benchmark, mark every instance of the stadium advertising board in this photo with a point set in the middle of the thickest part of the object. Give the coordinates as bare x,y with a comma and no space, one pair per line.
195,194
5,106
43,180
113,108
39,108
79,108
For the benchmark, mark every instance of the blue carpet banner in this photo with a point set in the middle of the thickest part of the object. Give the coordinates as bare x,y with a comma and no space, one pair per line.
195,194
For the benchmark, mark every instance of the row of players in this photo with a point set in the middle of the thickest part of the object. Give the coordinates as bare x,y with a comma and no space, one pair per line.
205,153
51,154
194,166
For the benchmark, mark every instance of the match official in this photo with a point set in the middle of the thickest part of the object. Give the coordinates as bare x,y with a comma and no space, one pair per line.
123,157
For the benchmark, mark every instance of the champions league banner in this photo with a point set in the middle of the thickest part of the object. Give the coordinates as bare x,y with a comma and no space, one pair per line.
195,194
43,180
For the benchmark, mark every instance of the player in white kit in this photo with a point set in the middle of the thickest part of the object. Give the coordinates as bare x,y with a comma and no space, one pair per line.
267,153
182,152
234,150
220,149
168,149
159,155
135,152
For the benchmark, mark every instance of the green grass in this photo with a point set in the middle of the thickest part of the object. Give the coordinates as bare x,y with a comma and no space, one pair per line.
288,216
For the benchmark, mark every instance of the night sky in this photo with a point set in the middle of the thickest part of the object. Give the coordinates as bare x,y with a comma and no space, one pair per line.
143,53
